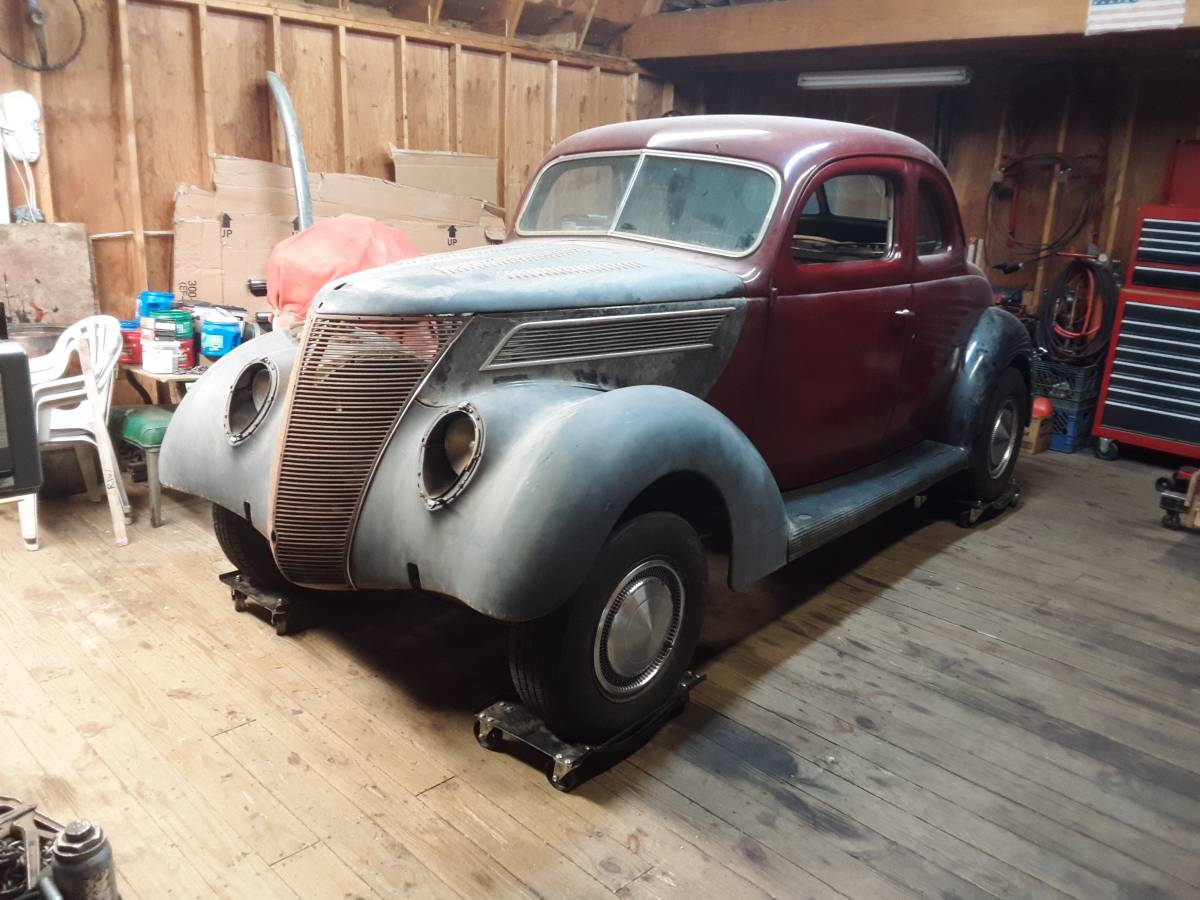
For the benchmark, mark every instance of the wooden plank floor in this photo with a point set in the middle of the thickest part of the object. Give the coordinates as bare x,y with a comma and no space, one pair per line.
918,711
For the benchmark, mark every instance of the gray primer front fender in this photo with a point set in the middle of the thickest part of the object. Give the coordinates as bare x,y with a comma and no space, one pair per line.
996,342
197,457
560,464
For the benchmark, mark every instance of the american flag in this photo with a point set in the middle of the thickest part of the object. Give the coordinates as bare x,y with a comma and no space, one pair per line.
1133,15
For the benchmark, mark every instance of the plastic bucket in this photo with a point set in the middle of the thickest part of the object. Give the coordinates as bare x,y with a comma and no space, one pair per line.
150,302
162,357
131,344
181,318
218,338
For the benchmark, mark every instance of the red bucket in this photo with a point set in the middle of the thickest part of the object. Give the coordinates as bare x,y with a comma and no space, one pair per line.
131,344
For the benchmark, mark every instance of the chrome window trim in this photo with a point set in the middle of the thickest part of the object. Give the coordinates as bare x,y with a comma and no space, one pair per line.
668,154
490,365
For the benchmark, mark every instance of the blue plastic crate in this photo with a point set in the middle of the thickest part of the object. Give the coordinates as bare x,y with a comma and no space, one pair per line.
1072,425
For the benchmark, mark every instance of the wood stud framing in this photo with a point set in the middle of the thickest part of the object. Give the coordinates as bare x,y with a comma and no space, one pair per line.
447,89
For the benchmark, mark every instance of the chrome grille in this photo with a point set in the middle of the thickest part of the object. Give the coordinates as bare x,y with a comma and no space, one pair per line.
603,337
355,377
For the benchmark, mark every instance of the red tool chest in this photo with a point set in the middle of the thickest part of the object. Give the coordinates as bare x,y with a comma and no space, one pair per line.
1150,395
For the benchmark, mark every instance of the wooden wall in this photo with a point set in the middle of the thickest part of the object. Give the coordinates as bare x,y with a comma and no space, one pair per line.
1121,118
161,85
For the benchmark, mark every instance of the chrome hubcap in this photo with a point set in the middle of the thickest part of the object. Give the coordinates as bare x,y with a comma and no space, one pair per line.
638,629
1004,439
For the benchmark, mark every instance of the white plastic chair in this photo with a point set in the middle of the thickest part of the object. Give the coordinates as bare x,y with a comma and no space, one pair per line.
64,414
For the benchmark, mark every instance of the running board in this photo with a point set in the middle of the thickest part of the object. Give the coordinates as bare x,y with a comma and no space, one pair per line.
821,512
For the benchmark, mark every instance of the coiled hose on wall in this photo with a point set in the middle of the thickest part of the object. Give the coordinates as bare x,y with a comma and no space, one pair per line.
1078,184
1076,319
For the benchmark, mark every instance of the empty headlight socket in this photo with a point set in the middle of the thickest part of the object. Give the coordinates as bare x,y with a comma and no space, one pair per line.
250,399
450,452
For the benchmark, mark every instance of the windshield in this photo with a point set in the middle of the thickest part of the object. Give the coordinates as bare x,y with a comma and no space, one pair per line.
700,203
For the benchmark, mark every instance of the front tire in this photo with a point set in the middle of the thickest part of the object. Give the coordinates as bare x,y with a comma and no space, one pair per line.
994,454
615,652
247,550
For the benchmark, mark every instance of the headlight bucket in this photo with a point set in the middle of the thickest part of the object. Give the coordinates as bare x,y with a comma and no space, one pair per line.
253,392
450,454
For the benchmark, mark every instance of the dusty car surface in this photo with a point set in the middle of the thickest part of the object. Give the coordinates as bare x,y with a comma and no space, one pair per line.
754,333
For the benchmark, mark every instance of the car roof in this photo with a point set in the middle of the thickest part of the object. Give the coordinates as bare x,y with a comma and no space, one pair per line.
788,143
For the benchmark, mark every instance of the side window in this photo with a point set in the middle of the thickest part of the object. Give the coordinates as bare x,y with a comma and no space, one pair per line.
932,234
851,220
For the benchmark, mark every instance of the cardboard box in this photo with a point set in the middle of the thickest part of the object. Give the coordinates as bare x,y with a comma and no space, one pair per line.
1037,435
224,237
464,174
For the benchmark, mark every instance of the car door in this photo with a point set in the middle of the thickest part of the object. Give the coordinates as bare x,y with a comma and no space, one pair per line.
944,304
839,323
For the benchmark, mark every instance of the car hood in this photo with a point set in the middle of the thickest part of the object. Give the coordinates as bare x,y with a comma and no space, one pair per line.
528,275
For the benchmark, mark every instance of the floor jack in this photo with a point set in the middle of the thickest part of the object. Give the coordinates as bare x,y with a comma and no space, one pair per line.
571,764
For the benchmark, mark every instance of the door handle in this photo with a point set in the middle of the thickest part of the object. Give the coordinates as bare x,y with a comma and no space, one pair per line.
905,313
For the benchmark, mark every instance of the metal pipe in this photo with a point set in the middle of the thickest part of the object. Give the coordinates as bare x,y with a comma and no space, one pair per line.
291,133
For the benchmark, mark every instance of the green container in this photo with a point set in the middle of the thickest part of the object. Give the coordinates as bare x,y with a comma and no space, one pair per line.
184,330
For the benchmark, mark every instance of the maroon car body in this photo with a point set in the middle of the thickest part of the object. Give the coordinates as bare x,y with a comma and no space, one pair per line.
829,375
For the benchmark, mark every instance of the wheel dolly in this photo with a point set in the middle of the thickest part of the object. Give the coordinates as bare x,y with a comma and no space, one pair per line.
286,613
292,613
567,761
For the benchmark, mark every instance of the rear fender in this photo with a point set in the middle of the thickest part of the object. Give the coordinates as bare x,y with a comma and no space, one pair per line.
560,464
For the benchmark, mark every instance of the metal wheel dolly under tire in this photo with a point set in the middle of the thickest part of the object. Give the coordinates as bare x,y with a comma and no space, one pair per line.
285,613
568,761
969,514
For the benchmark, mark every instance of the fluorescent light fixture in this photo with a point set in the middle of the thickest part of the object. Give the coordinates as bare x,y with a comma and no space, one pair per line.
943,76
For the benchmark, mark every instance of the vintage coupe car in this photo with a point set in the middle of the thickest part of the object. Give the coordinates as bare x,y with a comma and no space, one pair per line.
751,332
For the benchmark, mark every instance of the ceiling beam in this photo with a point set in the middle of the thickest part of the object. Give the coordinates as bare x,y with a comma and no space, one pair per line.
799,25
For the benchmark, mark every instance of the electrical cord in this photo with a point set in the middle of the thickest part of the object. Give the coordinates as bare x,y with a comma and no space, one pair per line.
1031,251
1076,319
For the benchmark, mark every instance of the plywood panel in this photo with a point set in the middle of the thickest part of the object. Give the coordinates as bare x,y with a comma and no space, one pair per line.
480,82
612,97
371,92
86,150
427,78
649,98
576,106
1163,118
308,71
239,57
527,137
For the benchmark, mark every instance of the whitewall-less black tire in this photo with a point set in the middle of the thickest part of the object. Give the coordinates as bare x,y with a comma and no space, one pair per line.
615,652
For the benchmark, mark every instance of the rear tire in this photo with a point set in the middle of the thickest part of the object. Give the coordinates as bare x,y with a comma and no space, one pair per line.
615,652
996,449
247,550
